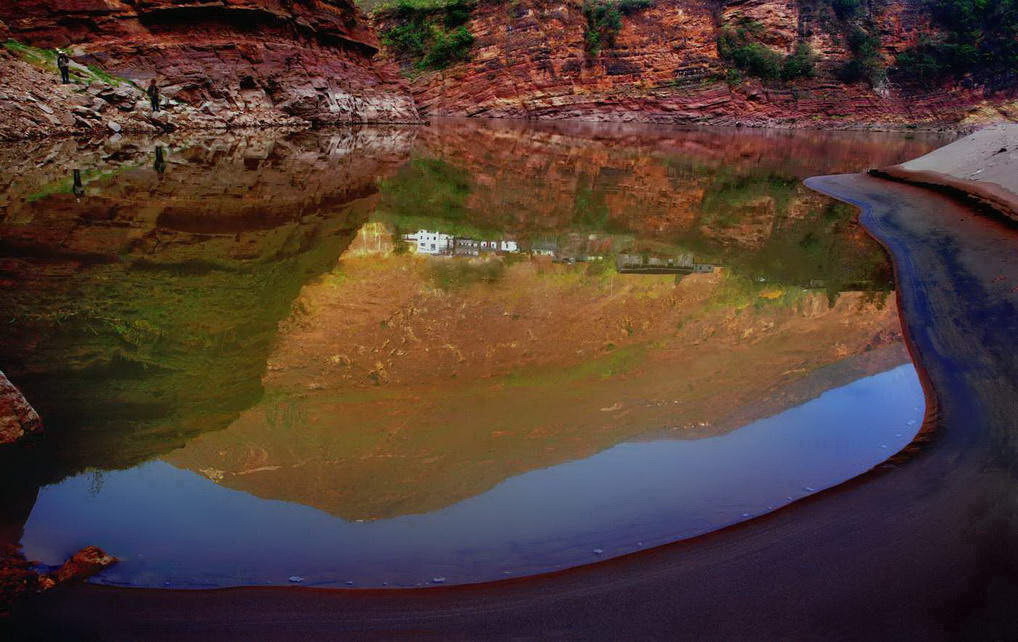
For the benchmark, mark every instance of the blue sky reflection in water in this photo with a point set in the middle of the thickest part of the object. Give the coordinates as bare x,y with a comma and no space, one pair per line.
177,527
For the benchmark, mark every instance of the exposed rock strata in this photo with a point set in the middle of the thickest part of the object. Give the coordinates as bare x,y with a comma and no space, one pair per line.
529,61
235,62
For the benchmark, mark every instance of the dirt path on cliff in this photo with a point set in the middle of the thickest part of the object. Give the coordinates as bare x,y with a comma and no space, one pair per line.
926,550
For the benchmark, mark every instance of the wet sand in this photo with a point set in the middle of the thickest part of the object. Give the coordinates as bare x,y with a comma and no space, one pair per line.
926,548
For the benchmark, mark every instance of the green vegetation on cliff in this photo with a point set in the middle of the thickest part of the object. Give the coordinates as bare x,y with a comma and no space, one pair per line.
604,20
853,19
431,34
979,37
738,44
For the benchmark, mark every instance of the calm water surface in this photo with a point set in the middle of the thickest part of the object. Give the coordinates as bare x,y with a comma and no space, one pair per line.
401,357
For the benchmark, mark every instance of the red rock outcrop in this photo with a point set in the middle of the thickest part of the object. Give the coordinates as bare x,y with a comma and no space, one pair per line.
18,580
17,417
529,60
82,565
233,61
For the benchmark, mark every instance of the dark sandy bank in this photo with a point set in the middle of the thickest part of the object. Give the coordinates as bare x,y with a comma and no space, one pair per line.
926,549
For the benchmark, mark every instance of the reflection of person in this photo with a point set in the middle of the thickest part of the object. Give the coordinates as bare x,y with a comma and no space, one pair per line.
160,164
78,188
153,94
64,65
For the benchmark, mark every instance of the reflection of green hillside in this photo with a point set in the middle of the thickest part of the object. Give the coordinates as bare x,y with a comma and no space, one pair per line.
816,245
730,193
131,361
130,336
824,249
589,208
429,193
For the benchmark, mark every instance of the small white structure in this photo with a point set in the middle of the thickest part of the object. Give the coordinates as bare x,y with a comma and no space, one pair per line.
430,242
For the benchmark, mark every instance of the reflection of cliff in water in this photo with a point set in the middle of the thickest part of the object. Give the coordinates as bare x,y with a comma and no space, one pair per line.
402,384
730,198
140,312
161,301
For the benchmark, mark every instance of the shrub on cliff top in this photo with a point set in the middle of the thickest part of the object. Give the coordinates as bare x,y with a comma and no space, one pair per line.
432,33
447,47
737,45
865,63
604,20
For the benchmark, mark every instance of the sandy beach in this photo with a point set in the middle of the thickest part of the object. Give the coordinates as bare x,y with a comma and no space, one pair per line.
981,168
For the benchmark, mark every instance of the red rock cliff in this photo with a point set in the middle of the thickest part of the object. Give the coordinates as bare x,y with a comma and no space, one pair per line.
311,59
530,59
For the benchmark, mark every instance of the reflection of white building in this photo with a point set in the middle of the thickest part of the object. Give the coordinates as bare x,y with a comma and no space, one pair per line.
544,247
504,245
430,242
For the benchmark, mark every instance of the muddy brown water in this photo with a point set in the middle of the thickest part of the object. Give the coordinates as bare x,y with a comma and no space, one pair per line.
296,358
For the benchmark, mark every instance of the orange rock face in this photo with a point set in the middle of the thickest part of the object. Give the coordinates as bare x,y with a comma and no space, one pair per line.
529,61
311,59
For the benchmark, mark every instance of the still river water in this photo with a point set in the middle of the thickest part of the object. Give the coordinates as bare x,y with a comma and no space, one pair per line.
254,368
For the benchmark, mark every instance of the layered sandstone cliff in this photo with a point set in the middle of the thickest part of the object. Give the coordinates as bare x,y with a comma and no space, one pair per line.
533,59
232,62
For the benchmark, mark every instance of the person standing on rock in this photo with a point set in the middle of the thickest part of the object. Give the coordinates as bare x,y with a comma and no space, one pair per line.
64,65
153,94
160,164
77,187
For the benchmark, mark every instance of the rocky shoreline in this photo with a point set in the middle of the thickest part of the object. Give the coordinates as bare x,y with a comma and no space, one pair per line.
19,579
250,63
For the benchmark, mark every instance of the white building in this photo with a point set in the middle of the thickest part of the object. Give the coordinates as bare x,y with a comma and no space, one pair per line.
430,242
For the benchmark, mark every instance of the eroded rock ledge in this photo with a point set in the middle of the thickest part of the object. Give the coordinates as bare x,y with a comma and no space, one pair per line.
227,63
